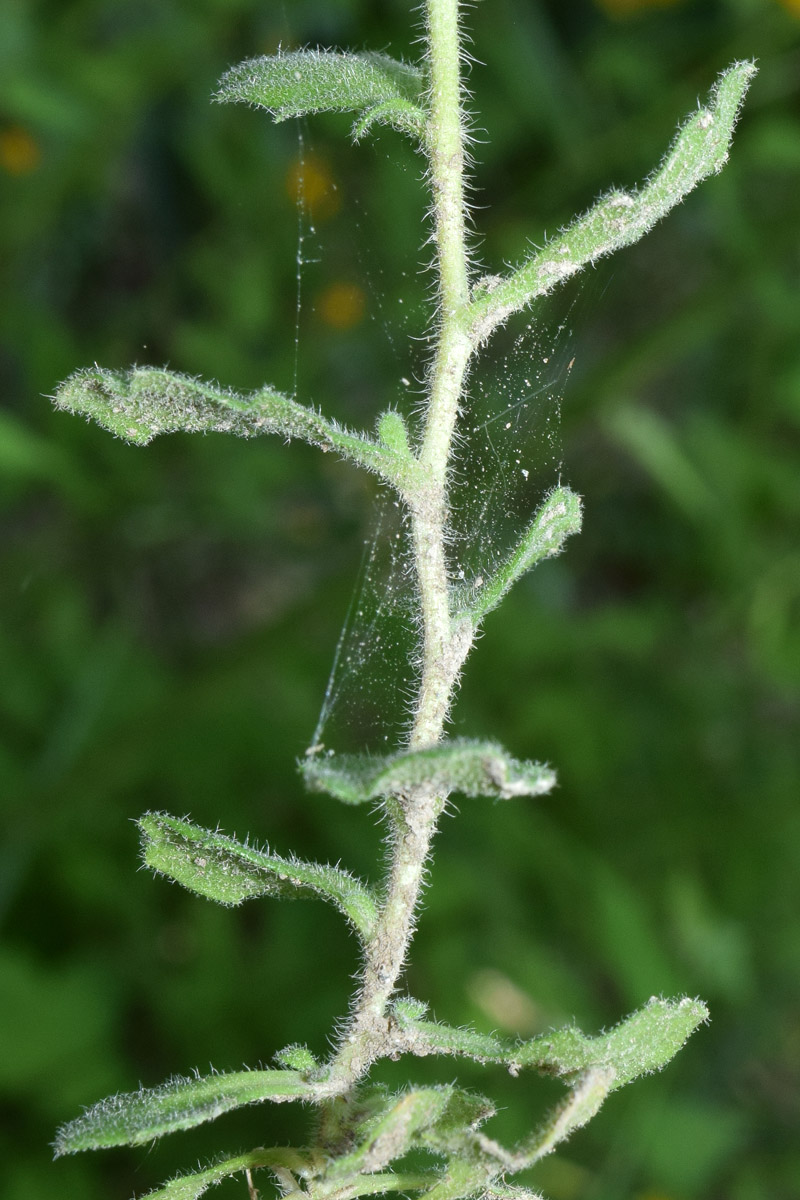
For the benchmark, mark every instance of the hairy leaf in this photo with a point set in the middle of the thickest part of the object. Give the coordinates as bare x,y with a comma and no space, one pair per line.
639,1045
465,1176
423,1037
700,149
136,1117
557,518
453,1130
642,1043
392,431
473,768
139,404
195,1183
388,1133
296,1057
439,1118
296,82
223,869
576,1110
507,1191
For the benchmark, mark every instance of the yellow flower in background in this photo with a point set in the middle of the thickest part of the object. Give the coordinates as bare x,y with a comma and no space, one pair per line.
19,153
342,305
310,182
791,6
628,8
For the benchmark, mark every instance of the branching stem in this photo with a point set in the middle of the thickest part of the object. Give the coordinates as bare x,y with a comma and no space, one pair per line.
361,1131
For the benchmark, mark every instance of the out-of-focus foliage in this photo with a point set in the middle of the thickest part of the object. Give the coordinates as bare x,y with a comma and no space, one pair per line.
169,614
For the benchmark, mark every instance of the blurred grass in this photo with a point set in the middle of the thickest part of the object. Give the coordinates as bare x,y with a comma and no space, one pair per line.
169,615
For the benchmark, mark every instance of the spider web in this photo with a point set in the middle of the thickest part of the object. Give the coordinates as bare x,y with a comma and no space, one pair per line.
370,689
509,451
509,454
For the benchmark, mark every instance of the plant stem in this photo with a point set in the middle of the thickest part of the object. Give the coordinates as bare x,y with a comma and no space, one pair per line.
444,649
368,1034
445,643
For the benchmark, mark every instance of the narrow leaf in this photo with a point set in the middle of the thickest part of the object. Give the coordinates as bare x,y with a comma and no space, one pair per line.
136,1117
639,1045
453,1131
430,1037
223,869
195,1183
441,1119
294,83
642,1043
582,1103
465,1176
473,768
389,1132
386,1181
139,404
700,149
508,1191
557,518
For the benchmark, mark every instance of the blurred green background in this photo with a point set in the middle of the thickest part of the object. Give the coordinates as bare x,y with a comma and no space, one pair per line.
169,614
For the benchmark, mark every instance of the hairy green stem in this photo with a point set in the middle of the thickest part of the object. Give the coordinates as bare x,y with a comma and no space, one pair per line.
445,643
443,653
368,1033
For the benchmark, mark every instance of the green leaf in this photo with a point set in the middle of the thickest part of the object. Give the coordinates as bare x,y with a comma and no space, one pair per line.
297,1058
473,768
193,1185
388,1133
464,1177
294,83
583,1102
594,1067
439,1118
376,1183
430,1037
139,404
133,1118
700,149
392,432
223,869
453,1131
642,1043
507,1191
557,518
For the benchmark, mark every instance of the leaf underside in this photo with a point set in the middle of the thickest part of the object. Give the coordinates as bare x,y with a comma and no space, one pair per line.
223,869
141,403
472,768
193,1184
642,1043
133,1118
298,82
618,219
